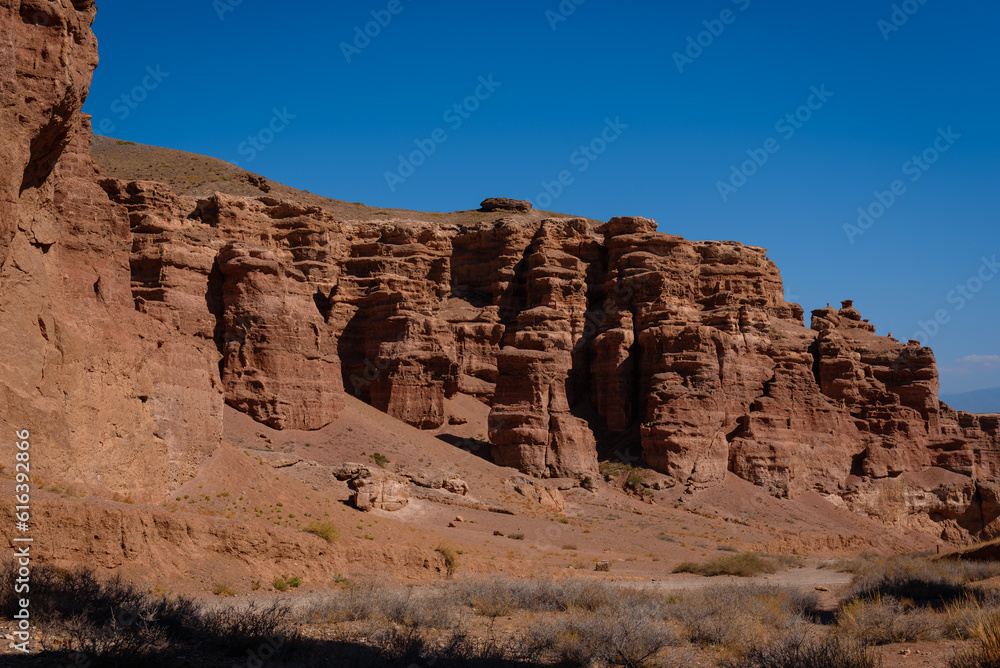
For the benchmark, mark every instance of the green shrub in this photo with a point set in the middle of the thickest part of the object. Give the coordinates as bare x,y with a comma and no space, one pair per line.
380,459
633,482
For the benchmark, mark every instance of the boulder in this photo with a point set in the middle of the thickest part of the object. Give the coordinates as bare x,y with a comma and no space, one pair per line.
492,204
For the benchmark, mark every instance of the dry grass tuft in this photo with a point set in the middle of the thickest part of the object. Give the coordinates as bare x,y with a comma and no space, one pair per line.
325,530
741,565
986,633
797,652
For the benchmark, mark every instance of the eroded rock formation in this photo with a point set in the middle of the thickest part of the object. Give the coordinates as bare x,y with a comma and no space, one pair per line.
129,314
111,398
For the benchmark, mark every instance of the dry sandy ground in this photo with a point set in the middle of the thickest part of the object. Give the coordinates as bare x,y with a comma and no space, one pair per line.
264,477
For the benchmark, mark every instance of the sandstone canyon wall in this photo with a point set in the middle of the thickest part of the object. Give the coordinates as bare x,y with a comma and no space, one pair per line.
111,398
129,315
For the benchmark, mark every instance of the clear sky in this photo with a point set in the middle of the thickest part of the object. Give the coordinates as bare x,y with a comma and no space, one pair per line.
768,123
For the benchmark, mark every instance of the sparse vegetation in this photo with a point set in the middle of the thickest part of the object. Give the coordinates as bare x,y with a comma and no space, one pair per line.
797,652
380,459
925,582
741,565
737,617
986,653
113,622
884,620
630,637
325,530
450,559
633,482
224,589
571,622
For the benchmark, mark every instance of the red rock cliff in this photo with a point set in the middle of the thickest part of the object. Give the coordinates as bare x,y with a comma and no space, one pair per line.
112,398
129,314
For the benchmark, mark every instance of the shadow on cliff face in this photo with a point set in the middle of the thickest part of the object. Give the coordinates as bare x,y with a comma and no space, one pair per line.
617,446
473,446
215,302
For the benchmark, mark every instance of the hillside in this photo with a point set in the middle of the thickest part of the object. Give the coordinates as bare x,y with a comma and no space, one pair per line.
199,176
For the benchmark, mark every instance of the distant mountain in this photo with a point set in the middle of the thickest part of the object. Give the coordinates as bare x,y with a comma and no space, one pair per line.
979,401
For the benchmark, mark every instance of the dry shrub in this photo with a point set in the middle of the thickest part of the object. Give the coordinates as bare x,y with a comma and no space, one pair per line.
742,565
630,637
738,616
113,622
853,564
797,652
986,654
506,595
963,617
367,600
450,559
239,628
884,620
934,583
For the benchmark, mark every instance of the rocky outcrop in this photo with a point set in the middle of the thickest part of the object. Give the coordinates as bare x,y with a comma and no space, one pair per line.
111,398
492,204
549,498
129,315
374,488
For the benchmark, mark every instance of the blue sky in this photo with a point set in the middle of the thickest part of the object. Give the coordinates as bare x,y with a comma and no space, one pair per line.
639,108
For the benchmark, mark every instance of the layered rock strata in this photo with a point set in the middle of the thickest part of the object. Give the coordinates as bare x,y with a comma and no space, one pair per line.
130,314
